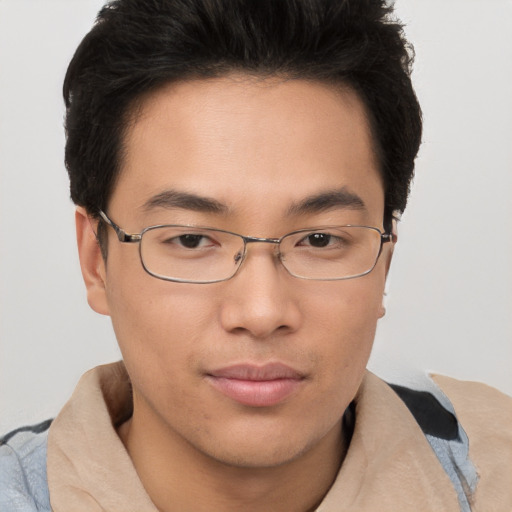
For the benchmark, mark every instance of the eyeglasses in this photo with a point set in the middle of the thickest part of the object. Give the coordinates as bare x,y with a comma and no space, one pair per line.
194,254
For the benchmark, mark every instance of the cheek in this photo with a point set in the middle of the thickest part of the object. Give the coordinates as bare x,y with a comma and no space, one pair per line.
157,323
158,328
350,308
343,327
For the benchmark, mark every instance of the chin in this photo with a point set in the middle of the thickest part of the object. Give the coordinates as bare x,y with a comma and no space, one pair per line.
261,448
256,457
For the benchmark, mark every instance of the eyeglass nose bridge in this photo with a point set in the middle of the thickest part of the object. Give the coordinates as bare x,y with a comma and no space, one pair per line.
240,257
252,239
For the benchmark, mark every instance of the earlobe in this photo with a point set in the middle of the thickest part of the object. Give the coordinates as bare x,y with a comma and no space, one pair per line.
382,307
91,262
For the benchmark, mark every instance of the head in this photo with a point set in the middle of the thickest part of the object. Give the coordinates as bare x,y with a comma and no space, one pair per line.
138,47
267,110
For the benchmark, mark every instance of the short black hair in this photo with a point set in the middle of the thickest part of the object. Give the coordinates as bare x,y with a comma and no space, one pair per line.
137,46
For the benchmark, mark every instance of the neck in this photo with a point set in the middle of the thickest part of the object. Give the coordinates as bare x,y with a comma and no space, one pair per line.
178,477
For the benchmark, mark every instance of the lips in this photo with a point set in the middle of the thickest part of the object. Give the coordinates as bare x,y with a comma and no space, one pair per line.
256,386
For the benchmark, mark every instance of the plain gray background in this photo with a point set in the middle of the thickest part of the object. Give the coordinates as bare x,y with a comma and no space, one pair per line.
449,304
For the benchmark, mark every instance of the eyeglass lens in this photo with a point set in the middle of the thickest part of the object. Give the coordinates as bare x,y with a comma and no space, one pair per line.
182,253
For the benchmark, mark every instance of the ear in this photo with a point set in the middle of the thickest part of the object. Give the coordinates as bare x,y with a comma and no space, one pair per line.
91,262
391,246
388,255
389,252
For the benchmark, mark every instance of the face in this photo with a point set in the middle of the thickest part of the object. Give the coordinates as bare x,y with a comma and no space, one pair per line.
258,370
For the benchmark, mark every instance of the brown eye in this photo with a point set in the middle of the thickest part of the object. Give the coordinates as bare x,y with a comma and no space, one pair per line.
318,239
190,241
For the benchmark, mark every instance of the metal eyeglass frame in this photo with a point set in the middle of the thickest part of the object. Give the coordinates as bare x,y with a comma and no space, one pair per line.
131,238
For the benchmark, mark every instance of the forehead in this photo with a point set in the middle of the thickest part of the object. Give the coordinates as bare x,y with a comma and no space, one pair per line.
246,142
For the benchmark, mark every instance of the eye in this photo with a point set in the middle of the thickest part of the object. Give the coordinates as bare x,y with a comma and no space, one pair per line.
321,240
317,240
191,241
337,240
187,241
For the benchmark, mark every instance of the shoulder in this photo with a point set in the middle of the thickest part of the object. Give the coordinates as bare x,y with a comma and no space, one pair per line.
23,469
486,416
465,395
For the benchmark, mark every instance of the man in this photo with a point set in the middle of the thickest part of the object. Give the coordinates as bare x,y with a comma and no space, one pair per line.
237,167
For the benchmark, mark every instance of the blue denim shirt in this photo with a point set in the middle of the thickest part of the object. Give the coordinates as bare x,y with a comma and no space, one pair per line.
23,482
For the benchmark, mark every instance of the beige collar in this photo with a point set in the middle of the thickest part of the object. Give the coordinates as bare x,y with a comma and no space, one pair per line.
389,465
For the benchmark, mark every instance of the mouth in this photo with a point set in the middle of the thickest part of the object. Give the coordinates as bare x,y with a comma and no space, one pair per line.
256,386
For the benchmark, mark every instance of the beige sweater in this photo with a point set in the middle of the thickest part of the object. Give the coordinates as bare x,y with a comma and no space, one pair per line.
389,465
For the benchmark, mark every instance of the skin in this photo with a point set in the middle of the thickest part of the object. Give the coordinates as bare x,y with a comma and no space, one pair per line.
257,146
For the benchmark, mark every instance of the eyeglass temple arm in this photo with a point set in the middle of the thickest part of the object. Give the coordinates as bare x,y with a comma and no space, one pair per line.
121,234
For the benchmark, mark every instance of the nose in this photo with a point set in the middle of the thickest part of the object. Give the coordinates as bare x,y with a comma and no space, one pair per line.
261,300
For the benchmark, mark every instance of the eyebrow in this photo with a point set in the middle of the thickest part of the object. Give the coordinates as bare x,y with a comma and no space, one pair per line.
323,201
328,200
175,199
